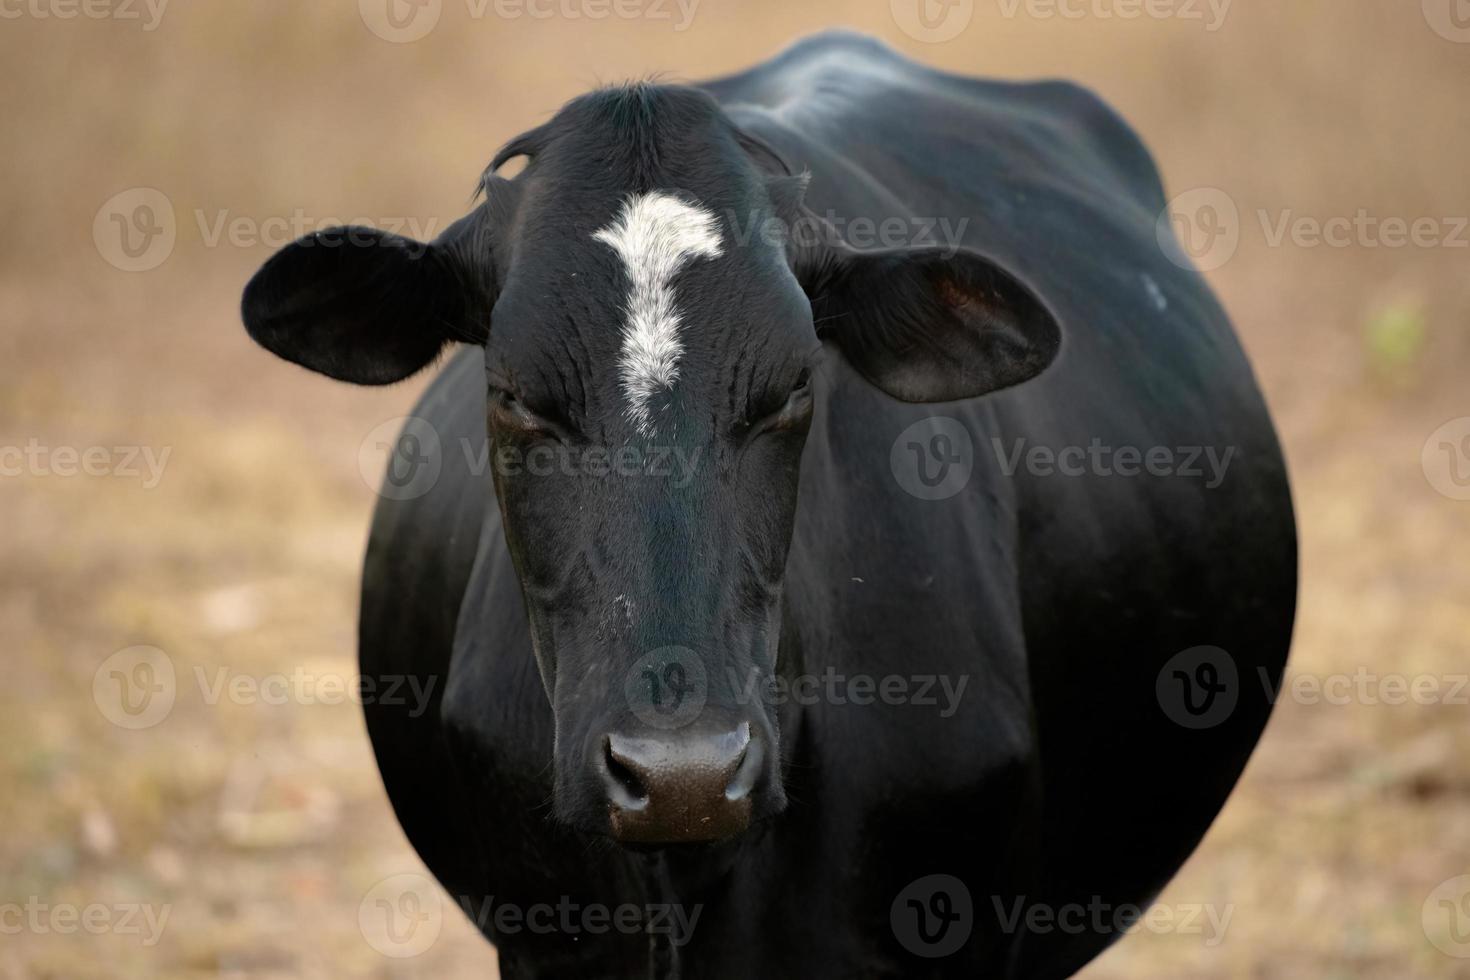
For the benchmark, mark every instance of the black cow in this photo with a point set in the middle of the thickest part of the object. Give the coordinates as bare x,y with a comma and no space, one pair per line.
751,660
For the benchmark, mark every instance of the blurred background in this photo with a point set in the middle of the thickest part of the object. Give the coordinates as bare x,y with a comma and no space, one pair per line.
184,511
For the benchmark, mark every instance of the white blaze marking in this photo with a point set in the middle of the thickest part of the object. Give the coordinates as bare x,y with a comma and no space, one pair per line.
656,235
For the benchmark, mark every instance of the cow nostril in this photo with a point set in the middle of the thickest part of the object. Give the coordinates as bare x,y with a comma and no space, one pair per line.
747,769
626,789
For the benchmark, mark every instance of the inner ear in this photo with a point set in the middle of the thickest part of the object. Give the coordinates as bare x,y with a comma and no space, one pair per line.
928,325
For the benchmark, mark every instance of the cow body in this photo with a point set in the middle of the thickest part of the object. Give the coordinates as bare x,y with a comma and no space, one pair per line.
1028,615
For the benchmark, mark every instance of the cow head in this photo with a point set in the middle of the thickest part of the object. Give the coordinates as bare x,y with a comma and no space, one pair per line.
650,369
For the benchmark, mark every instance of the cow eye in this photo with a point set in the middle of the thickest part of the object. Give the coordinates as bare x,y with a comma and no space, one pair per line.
509,412
794,412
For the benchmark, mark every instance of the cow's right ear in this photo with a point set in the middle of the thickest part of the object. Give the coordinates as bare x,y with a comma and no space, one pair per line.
363,305
928,324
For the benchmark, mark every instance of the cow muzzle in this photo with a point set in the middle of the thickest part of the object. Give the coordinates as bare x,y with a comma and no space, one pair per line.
699,783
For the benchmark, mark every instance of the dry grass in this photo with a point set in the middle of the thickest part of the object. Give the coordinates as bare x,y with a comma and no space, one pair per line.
262,826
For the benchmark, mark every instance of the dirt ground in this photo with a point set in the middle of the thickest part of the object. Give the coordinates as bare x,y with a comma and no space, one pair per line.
169,486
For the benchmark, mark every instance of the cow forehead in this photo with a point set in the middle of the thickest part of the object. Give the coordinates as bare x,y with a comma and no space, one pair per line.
655,235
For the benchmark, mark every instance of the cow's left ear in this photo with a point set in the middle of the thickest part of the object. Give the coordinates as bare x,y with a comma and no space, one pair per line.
928,324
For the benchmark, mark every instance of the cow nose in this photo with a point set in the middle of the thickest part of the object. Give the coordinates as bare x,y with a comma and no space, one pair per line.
683,786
